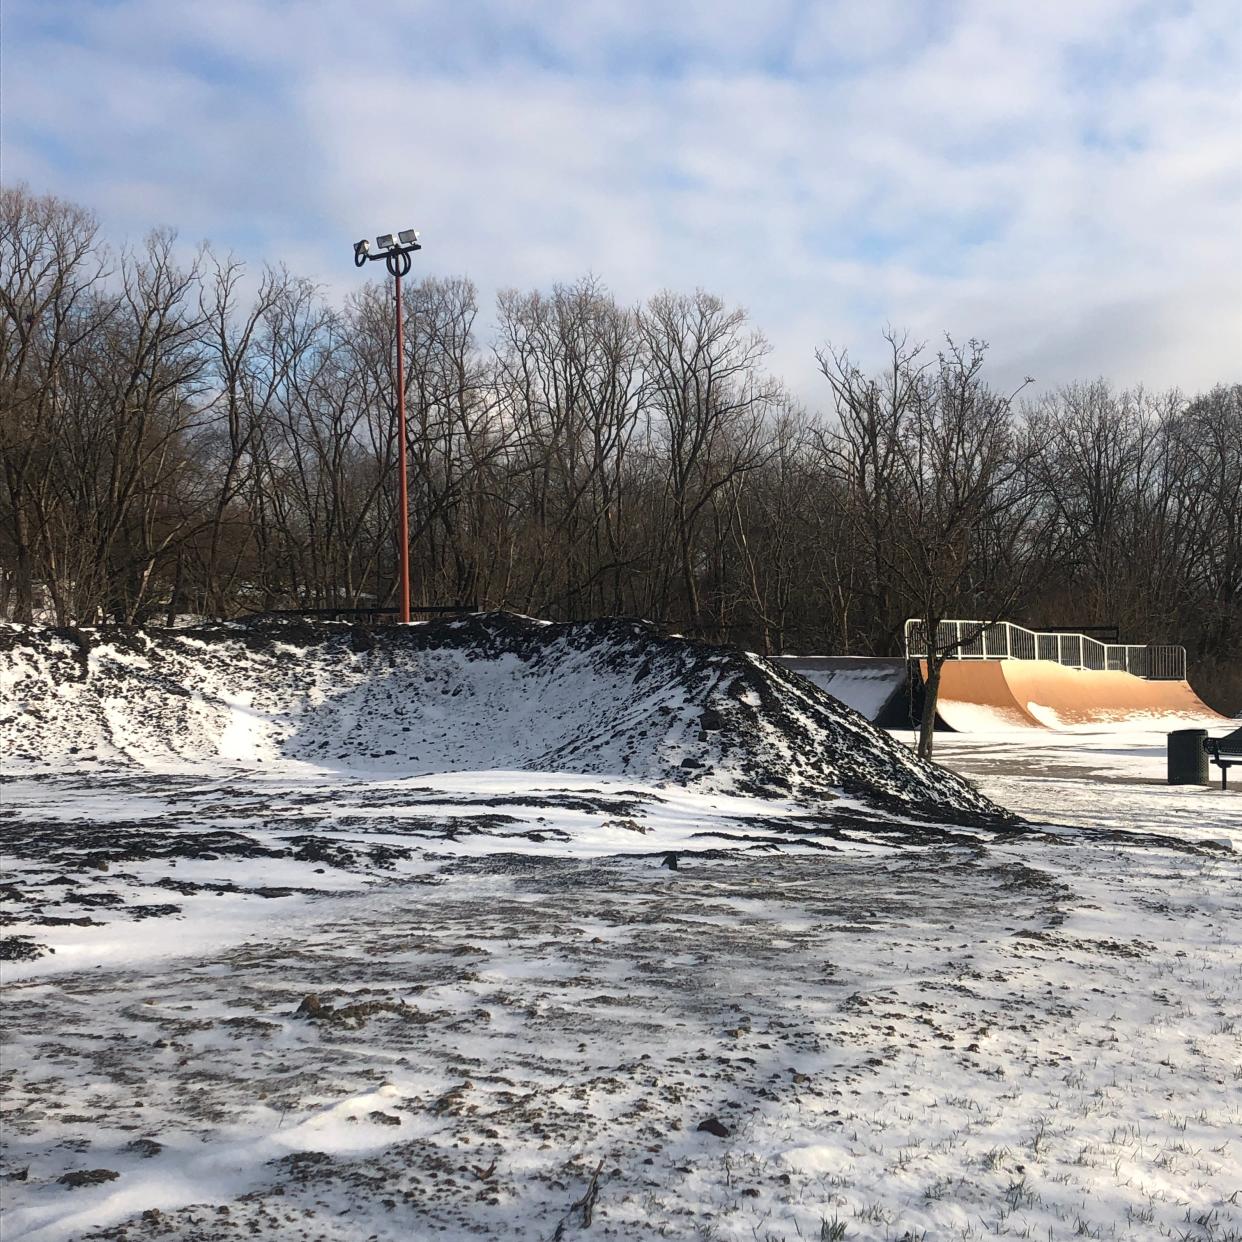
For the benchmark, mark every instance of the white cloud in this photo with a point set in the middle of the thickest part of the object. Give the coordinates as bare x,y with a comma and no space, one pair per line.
1063,179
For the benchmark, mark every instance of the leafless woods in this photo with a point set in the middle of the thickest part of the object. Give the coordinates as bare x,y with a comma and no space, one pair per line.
181,436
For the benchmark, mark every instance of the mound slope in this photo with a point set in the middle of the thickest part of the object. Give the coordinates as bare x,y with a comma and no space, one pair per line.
486,692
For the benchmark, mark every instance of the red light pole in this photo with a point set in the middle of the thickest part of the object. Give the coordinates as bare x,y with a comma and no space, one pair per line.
396,251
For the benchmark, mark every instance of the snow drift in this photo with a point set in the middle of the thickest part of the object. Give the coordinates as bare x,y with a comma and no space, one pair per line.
485,692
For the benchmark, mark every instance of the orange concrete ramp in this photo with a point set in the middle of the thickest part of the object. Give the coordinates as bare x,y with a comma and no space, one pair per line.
981,695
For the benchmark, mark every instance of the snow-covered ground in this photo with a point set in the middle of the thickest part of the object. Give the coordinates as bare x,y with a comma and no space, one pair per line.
292,1002
612,698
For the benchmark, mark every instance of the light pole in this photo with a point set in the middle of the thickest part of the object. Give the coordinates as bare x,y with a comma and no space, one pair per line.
396,251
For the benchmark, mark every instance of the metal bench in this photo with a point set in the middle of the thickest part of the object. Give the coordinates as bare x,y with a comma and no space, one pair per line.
1224,752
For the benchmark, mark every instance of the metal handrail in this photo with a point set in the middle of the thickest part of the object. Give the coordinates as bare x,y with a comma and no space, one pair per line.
1003,640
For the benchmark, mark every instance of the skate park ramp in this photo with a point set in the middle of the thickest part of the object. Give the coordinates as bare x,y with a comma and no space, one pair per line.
876,687
984,695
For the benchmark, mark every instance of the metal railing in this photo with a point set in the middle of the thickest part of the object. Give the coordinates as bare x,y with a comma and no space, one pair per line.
1002,640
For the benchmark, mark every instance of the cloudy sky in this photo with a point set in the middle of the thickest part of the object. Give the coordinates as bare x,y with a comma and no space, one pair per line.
1062,178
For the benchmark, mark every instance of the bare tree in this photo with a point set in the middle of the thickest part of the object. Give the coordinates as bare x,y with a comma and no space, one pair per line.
770,511
244,387
178,438
939,488
51,269
711,402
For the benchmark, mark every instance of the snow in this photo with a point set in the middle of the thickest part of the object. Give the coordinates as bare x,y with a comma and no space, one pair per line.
982,718
865,694
867,685
1125,721
610,698
911,1027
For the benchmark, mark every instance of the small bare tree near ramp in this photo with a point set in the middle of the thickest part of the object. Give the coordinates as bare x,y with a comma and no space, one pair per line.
938,483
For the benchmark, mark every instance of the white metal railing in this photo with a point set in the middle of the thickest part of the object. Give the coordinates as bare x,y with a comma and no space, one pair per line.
1002,640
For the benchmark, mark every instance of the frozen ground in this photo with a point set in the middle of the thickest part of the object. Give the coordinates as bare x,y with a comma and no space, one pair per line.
300,1004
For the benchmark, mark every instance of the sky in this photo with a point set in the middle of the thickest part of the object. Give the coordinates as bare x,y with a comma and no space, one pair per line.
1062,179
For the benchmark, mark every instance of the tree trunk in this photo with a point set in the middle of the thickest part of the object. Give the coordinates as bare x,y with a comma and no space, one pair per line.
174,599
24,612
931,691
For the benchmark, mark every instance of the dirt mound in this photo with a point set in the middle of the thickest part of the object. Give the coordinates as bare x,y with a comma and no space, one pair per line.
486,692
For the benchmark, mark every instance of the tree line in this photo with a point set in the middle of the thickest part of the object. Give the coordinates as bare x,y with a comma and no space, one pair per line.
180,436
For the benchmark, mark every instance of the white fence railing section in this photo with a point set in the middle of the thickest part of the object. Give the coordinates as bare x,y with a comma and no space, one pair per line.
1002,640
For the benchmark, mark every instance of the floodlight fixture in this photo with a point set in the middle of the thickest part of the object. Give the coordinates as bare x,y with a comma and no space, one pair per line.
409,237
360,251
385,241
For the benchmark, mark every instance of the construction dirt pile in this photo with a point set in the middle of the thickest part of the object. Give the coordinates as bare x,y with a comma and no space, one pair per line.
491,692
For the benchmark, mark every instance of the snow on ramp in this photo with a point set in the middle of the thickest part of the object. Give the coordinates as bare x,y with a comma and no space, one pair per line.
486,692
985,695
874,686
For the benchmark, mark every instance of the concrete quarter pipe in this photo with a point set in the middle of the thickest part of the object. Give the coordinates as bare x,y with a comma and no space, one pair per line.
981,695
877,687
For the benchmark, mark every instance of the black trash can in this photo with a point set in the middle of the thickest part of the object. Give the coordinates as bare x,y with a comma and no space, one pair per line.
1188,761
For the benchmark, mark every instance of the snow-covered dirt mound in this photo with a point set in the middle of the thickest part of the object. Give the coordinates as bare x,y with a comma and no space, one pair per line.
486,692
